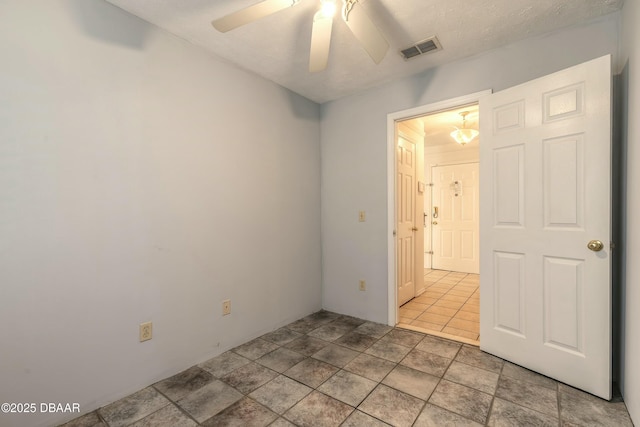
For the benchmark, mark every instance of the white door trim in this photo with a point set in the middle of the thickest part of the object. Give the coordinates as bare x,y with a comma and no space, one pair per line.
392,118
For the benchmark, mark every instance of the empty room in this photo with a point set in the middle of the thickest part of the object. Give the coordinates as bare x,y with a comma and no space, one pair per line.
319,213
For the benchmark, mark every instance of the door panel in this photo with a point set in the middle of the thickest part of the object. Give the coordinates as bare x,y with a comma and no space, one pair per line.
564,182
509,292
563,308
508,181
545,189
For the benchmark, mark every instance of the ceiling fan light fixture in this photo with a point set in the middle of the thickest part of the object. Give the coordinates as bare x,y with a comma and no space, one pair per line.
354,15
464,136
328,8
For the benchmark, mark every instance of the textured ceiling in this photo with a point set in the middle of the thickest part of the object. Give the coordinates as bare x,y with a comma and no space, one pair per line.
277,47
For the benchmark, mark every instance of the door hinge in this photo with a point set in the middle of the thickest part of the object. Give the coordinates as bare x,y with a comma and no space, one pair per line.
612,245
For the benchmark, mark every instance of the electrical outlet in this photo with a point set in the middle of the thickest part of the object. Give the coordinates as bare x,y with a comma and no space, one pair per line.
226,307
363,285
362,216
146,331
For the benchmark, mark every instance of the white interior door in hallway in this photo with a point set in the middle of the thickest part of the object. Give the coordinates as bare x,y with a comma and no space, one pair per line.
409,209
545,262
454,218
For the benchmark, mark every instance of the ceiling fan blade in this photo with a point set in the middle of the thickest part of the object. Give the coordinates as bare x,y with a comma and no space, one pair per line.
250,14
320,42
366,32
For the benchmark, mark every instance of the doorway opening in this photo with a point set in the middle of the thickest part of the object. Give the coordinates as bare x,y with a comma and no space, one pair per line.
445,299
449,307
545,166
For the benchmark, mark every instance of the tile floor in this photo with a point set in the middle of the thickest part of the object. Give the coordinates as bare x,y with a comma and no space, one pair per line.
333,370
450,304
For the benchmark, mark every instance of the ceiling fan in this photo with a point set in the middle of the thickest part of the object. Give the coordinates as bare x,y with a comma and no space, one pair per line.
353,15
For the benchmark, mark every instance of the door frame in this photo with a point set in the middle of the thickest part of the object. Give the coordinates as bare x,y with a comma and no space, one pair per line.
392,118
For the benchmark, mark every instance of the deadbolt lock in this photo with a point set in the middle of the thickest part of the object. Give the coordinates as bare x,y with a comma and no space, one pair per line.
595,245
414,229
435,223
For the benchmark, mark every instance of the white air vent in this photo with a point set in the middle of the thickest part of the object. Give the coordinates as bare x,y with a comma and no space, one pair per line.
429,45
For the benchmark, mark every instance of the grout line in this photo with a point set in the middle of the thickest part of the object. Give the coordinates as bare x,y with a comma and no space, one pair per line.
459,310
452,287
175,404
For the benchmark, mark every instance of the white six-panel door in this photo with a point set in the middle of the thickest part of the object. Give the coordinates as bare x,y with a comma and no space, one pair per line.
455,229
409,209
545,194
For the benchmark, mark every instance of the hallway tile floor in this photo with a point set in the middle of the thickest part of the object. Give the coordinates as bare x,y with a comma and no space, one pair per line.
449,305
333,370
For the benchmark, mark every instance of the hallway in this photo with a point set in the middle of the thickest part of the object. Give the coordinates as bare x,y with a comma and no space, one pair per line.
450,306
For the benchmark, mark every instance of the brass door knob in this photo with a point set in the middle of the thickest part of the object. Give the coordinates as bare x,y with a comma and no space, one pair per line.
435,223
595,245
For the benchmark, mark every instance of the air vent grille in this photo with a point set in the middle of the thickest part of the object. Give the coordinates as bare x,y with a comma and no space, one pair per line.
429,45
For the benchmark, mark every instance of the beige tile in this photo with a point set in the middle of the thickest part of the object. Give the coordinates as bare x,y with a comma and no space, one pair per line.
439,282
442,292
439,273
461,333
443,311
467,315
416,305
466,325
449,304
438,319
411,314
446,284
460,292
456,298
473,308
427,325
406,320
432,294
425,300
456,274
